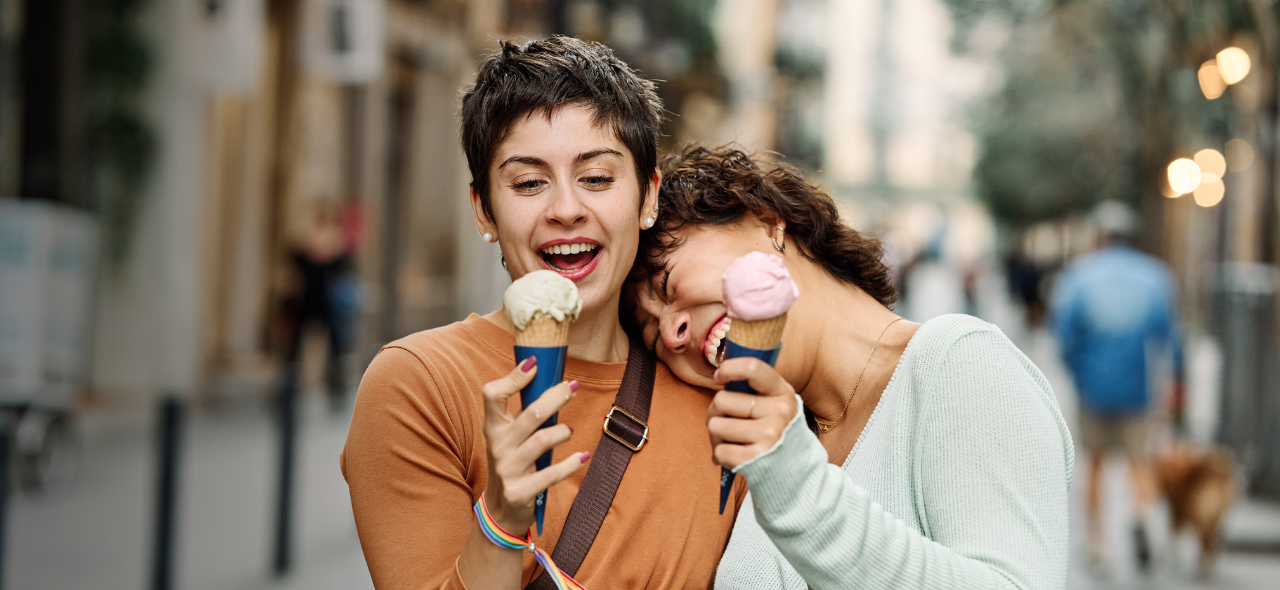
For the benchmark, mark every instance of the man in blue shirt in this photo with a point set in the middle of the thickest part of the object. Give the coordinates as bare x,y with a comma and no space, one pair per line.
1111,309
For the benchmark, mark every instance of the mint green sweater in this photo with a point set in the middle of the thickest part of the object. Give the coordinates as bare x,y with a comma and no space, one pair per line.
959,480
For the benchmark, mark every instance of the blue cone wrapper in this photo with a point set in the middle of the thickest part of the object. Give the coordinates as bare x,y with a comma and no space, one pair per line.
550,373
733,351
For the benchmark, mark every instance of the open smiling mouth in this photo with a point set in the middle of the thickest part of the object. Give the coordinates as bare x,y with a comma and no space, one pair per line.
717,341
573,260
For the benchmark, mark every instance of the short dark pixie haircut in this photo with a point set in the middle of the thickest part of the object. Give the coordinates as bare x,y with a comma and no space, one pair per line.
540,76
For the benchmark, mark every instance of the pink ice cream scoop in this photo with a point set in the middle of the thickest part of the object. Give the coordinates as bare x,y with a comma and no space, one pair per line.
757,286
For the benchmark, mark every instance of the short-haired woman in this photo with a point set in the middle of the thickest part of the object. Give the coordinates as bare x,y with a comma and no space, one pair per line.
934,454
561,138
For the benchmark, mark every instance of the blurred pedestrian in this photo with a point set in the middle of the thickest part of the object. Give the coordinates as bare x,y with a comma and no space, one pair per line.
321,292
1111,309
1024,282
935,286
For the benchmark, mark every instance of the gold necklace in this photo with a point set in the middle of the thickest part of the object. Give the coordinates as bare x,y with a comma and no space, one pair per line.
823,425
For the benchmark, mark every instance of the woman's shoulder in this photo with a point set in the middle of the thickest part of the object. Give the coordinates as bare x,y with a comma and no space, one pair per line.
941,338
944,330
450,361
968,369
453,346
959,356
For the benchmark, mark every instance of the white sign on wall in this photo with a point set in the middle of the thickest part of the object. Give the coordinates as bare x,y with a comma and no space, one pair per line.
343,40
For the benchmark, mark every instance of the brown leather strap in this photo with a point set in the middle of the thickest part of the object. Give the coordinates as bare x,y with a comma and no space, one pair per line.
608,463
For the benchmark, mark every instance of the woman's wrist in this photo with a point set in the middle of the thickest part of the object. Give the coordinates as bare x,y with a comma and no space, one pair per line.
504,515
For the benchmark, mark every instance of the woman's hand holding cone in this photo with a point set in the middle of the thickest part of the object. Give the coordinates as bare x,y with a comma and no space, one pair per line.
743,425
514,442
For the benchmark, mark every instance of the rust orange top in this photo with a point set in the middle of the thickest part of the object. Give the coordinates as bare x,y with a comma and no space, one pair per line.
415,464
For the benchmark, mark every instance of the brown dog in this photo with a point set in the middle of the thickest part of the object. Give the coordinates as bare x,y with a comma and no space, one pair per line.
1199,486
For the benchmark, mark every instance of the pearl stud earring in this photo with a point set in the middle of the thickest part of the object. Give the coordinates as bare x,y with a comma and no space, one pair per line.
487,237
649,221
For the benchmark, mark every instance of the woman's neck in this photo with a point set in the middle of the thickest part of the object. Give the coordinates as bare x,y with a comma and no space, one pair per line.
597,335
836,327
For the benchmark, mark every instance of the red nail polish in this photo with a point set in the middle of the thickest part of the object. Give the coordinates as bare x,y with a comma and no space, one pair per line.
570,429
584,457
528,364
573,386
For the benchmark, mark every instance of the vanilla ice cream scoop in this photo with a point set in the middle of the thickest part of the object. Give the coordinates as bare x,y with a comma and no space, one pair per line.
757,286
541,294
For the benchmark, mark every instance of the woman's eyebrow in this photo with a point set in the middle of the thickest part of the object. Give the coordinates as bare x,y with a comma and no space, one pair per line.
530,160
587,155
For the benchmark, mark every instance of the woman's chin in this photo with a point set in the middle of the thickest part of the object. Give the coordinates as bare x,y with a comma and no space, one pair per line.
692,376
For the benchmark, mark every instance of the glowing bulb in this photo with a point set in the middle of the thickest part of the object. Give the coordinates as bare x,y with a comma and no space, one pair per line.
1210,191
1184,176
1211,161
1211,82
1239,155
1233,64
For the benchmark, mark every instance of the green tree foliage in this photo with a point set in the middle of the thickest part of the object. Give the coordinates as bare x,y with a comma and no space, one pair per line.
1099,96
120,145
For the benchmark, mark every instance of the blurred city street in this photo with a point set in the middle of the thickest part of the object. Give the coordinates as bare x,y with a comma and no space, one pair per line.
95,531
78,533
198,199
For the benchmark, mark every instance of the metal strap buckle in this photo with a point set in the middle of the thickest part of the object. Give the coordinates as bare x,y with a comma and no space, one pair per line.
615,436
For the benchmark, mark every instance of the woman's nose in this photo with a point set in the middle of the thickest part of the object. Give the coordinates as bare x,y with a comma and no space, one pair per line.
675,335
567,207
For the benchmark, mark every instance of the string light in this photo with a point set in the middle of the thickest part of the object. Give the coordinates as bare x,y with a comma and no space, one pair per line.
1184,176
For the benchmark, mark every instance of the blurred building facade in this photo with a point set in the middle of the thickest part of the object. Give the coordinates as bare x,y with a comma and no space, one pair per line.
260,110
243,116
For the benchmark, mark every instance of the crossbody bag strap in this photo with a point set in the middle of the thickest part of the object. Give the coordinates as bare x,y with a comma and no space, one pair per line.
625,433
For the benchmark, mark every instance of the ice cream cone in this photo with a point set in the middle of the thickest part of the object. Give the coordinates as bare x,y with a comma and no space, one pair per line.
545,331
763,334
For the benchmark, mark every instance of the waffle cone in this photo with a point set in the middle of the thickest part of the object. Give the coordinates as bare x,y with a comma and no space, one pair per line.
763,334
544,332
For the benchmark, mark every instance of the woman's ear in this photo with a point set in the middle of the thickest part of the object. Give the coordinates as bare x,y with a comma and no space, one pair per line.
485,226
770,222
649,207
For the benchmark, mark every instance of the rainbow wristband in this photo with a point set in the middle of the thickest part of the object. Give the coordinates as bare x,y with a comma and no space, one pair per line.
506,540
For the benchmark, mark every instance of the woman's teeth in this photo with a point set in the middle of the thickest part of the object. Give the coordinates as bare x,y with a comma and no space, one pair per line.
568,249
713,352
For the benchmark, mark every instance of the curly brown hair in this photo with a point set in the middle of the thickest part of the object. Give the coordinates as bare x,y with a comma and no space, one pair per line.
717,186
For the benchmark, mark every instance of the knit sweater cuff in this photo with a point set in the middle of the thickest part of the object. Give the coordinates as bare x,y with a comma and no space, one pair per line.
778,469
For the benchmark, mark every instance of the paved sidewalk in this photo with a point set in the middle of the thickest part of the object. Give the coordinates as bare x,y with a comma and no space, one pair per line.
1174,559
95,532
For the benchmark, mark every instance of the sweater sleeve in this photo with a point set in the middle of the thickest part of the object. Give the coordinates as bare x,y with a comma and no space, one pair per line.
989,479
406,462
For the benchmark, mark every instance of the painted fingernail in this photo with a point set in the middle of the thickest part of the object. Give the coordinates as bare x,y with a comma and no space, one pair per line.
528,364
584,457
570,429
573,386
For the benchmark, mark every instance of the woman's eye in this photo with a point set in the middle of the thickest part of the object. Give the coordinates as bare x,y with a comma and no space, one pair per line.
528,186
598,181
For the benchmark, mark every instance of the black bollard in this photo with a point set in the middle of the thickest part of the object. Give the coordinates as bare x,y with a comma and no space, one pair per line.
288,414
4,493
170,425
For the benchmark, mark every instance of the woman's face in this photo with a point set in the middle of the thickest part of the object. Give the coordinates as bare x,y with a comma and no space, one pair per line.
565,197
681,310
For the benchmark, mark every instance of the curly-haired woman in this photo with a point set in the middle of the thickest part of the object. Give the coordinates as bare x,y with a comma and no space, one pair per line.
935,455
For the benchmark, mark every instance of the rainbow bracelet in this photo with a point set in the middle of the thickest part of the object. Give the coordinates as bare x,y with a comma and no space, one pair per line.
506,540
